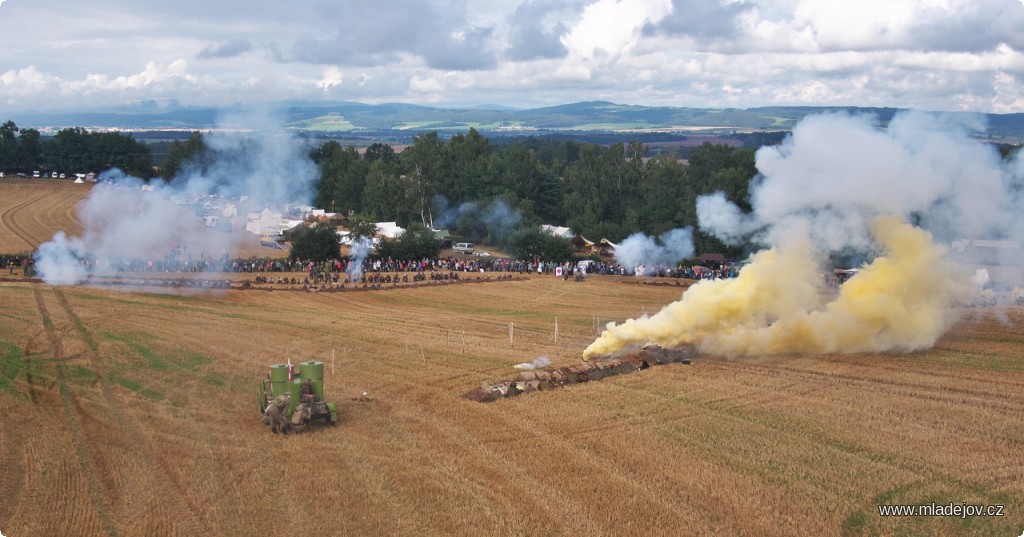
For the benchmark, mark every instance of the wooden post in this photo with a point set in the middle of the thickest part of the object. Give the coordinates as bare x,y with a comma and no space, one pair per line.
332,362
511,329
556,329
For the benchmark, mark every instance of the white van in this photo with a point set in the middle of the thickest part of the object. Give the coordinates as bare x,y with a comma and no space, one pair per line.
464,247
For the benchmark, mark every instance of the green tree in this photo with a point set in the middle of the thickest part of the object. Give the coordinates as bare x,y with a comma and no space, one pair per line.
181,154
117,150
316,243
29,155
417,242
469,170
661,193
378,151
585,197
342,177
8,146
425,167
359,228
531,243
76,149
384,197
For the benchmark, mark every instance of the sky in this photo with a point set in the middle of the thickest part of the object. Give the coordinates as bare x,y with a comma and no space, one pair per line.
940,55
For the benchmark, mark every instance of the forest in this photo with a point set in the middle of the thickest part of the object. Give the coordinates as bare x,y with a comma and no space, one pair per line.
484,193
71,150
481,191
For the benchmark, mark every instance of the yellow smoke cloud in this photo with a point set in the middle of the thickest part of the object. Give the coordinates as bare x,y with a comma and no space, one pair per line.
901,301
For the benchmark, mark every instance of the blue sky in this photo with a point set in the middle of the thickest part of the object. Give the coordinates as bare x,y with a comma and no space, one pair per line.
925,54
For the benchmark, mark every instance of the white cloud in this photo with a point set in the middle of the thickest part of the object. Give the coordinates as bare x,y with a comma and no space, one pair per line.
611,27
22,83
333,76
932,54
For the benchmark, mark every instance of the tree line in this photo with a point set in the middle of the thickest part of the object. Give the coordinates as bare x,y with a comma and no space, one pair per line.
481,191
486,193
71,150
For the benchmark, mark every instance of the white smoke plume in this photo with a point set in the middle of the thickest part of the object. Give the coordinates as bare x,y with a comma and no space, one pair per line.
668,249
835,173
472,218
542,361
896,196
125,219
259,160
360,249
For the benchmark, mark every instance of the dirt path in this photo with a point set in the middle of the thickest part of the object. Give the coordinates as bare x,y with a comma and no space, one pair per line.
73,414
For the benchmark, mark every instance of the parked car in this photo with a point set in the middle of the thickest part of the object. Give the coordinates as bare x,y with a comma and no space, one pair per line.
464,247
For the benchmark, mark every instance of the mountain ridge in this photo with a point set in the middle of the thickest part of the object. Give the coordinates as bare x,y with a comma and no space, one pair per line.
356,117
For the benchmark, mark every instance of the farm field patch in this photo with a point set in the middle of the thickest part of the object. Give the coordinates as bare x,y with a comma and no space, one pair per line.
135,413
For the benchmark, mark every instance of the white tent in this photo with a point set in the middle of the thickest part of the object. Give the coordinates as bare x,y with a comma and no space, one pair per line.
558,231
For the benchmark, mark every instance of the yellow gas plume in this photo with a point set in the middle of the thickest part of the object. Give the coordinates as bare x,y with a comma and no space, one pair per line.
900,301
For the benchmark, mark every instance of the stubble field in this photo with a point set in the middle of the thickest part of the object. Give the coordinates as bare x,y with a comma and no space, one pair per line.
134,413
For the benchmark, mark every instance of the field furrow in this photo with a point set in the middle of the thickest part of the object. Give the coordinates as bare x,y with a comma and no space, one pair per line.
131,409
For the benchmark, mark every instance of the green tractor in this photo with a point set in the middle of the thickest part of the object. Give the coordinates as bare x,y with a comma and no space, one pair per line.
284,383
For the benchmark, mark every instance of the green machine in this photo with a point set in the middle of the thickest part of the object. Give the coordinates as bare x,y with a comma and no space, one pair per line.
287,380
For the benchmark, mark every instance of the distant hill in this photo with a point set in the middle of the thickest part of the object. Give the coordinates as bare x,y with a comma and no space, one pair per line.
595,116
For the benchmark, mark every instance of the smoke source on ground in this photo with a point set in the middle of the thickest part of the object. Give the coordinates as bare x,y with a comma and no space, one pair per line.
896,196
125,218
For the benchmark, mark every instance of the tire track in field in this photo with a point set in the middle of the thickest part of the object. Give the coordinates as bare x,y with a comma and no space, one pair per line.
10,221
27,352
168,487
100,499
12,468
949,388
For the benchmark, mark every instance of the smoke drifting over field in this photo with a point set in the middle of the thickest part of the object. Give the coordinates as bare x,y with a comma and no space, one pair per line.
840,184
669,248
540,361
474,219
124,219
360,249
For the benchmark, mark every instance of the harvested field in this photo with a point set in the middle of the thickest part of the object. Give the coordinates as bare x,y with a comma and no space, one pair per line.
32,210
135,413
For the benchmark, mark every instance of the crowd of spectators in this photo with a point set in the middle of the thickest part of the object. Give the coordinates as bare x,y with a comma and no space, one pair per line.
178,263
